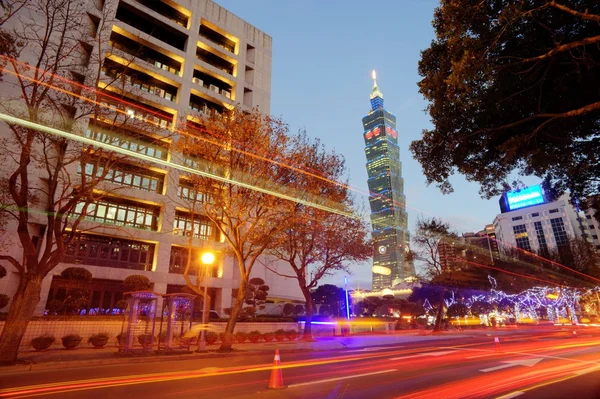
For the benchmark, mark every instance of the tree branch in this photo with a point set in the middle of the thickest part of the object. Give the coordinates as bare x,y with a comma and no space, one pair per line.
582,15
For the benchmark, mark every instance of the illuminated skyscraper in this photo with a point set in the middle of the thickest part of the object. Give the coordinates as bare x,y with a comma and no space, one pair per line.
388,203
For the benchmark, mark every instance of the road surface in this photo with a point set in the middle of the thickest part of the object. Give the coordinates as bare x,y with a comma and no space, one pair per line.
524,365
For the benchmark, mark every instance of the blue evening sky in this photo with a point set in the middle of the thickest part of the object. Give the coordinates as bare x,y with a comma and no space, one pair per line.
323,54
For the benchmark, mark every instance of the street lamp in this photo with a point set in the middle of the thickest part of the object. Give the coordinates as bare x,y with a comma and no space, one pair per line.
207,259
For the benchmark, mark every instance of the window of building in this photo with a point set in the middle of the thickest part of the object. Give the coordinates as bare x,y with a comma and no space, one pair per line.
185,191
541,237
521,237
105,294
553,210
179,258
535,214
202,227
91,249
132,142
517,218
560,234
591,227
129,175
594,236
121,213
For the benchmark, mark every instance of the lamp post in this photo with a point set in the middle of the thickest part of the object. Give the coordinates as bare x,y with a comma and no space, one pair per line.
207,259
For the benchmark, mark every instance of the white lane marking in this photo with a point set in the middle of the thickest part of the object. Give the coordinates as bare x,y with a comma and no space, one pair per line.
511,395
340,378
440,353
375,348
513,363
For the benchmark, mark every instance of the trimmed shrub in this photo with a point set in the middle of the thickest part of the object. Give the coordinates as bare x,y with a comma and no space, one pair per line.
241,337
288,309
76,273
211,337
42,342
145,340
254,336
71,341
280,335
268,337
137,282
99,340
291,334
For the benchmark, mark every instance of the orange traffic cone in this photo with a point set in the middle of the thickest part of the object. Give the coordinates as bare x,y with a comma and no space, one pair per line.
276,381
497,343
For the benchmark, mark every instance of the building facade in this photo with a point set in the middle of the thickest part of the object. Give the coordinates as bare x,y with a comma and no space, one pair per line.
529,222
386,196
175,61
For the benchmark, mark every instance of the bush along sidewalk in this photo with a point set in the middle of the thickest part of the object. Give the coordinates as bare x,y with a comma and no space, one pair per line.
71,341
99,340
42,342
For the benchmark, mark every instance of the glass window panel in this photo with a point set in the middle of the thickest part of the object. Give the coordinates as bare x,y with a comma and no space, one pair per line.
101,211
139,219
121,214
111,213
137,181
154,185
127,179
149,220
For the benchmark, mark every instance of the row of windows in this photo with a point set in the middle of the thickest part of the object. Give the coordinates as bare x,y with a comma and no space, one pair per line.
560,234
558,228
154,150
541,236
123,214
89,249
169,94
140,114
534,214
201,228
95,250
188,193
129,176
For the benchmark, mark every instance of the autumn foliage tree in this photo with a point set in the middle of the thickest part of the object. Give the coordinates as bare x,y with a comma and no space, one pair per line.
241,160
315,242
513,89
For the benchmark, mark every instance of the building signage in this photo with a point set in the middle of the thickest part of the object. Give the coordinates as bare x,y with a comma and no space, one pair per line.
526,197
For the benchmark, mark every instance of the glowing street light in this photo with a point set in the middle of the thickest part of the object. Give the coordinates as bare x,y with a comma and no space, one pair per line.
207,259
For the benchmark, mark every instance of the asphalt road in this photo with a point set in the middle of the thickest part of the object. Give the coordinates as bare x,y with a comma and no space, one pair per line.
527,365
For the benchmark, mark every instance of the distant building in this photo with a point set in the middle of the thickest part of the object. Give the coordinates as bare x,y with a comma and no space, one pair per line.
530,222
387,200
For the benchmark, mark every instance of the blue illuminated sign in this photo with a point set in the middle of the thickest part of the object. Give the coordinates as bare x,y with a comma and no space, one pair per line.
526,197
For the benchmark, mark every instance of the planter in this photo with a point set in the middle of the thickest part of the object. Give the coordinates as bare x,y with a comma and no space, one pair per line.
254,336
268,337
145,340
291,334
121,340
99,343
241,337
71,342
280,337
42,343
211,338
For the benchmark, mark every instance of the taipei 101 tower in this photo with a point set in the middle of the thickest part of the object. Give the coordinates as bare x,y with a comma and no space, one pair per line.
386,196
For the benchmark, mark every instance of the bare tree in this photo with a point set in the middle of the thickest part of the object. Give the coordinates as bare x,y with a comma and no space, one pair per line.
52,181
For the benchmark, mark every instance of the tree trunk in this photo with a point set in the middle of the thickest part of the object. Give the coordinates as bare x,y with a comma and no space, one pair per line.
310,308
235,311
438,320
19,314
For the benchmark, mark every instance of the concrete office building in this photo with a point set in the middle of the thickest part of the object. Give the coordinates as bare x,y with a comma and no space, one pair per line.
386,196
177,60
528,221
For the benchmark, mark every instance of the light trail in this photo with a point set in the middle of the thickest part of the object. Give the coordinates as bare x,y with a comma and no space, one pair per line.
85,140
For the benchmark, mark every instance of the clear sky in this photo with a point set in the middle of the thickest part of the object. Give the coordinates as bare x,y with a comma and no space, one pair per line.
323,54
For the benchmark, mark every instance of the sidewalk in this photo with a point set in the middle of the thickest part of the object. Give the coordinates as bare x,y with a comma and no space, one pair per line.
89,357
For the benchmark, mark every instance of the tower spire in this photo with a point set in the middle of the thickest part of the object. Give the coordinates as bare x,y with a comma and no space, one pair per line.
376,94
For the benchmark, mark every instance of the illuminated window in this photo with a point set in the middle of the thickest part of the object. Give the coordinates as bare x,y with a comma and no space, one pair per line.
121,213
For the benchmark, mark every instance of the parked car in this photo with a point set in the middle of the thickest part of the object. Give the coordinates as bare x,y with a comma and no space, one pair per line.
212,315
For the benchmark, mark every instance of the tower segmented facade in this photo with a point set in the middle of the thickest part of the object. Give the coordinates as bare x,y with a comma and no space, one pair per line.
386,195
